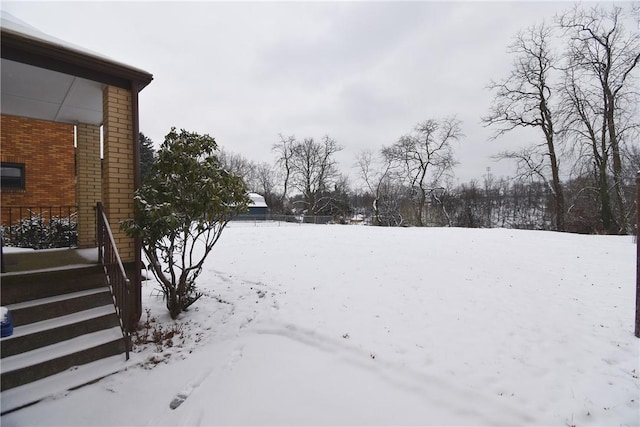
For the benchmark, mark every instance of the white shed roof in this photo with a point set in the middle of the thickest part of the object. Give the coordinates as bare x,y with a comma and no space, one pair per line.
257,201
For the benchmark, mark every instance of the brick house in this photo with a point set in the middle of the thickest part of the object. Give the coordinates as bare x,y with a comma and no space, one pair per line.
51,90
69,137
44,153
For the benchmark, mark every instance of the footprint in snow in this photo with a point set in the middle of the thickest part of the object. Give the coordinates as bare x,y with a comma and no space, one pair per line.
236,355
183,394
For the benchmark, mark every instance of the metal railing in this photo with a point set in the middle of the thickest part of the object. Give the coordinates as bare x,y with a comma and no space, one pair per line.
39,227
299,219
115,274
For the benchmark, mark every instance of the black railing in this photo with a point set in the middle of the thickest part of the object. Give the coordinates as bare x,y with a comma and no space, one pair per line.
115,274
39,227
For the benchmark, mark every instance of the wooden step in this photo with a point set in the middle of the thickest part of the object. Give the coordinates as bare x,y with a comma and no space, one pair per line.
48,308
39,363
28,394
25,286
64,318
40,334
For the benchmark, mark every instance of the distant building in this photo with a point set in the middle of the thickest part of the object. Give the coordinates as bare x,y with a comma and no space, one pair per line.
357,219
258,209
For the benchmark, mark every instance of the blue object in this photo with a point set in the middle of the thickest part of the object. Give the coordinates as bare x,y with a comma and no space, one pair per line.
7,323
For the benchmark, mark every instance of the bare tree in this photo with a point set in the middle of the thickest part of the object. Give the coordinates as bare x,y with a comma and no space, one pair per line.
284,151
632,162
374,177
259,178
585,127
238,165
424,157
524,99
602,100
266,185
395,203
312,169
336,201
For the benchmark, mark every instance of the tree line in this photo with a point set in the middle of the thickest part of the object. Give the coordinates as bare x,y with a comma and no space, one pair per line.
573,80
583,100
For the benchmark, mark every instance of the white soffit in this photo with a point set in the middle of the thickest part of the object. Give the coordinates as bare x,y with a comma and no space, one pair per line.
38,93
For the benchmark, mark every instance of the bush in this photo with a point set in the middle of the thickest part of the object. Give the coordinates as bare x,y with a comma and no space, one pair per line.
186,199
38,232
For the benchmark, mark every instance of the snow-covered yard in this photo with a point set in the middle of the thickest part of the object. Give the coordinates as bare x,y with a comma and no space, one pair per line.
352,325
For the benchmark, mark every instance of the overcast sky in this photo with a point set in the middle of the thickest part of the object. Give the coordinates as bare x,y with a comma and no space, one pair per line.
364,73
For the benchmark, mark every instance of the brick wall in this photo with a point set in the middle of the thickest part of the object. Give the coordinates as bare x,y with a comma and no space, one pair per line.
118,172
89,182
46,149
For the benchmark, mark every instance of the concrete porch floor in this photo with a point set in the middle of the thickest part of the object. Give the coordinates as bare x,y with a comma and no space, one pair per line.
18,260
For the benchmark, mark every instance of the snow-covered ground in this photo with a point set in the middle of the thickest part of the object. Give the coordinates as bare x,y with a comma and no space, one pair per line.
352,325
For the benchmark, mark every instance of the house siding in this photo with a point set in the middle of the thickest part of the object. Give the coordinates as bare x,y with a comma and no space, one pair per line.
46,149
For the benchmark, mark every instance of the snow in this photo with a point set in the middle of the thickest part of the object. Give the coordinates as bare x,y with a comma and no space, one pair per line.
257,201
89,254
56,298
50,269
60,321
307,324
53,351
16,25
16,250
52,386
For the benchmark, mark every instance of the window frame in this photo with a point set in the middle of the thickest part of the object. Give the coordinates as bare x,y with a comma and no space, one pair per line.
13,183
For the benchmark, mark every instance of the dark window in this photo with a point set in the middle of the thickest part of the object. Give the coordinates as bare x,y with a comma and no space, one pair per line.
12,176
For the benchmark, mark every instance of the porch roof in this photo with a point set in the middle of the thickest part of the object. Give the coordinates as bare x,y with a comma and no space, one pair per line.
49,79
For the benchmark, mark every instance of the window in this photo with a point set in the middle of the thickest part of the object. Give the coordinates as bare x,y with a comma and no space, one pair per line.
12,176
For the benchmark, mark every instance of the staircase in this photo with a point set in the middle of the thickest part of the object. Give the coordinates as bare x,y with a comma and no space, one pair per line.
66,333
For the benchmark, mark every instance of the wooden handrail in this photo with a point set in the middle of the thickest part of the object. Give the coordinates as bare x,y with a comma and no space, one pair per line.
115,274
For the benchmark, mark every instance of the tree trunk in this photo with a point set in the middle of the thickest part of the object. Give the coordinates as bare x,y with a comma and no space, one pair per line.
558,192
606,215
173,305
376,211
420,208
617,166
556,184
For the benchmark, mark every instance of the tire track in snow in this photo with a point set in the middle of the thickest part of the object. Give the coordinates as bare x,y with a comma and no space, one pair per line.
476,405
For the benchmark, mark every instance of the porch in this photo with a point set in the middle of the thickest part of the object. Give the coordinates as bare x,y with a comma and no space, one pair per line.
69,138
20,260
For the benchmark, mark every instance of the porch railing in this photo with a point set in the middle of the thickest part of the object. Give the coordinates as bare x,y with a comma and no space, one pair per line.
114,271
39,227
